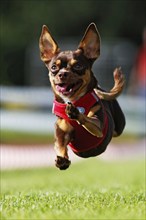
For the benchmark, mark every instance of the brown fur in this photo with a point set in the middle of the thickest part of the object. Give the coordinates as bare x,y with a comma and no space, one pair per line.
71,77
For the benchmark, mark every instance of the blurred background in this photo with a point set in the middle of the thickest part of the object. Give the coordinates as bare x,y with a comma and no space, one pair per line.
25,94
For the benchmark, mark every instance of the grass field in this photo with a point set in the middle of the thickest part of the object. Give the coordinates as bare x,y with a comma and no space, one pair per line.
11,137
25,138
92,189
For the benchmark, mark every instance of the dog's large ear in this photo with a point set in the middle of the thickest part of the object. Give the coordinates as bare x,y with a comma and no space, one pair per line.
90,43
48,46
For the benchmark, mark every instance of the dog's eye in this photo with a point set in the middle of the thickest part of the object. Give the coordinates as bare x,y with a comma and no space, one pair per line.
54,68
78,66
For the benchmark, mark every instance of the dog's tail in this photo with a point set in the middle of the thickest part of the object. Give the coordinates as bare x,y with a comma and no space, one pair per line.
119,80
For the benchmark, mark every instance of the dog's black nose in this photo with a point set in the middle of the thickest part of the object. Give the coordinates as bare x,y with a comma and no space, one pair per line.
62,75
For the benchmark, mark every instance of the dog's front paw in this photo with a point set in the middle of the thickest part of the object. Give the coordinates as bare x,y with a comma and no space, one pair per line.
62,163
71,111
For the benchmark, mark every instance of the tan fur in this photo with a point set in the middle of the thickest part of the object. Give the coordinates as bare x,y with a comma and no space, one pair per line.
62,137
72,62
47,44
93,110
92,125
64,125
92,39
70,83
82,90
58,62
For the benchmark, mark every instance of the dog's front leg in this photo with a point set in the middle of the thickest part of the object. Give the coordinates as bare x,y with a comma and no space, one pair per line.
90,122
63,133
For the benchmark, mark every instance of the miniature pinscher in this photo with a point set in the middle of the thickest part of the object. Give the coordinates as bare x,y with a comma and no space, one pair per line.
87,116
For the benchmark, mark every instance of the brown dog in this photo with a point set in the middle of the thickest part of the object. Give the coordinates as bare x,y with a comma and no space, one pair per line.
88,117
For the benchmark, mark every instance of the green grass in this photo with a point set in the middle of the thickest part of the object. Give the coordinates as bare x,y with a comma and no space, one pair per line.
28,138
12,137
91,189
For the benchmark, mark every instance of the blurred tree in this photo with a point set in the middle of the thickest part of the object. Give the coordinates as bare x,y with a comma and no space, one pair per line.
21,22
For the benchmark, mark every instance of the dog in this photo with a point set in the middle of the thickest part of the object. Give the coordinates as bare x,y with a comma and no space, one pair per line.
87,116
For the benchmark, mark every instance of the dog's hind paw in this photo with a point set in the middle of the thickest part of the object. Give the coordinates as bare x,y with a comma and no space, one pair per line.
62,163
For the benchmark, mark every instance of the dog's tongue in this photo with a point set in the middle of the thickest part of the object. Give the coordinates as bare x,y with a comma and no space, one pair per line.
62,88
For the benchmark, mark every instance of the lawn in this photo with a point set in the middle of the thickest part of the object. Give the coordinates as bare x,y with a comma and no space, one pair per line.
90,189
10,137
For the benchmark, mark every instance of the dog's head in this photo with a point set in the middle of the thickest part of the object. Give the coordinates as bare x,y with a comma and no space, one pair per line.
70,71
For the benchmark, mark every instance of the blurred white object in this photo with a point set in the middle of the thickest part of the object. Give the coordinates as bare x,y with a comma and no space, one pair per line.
37,116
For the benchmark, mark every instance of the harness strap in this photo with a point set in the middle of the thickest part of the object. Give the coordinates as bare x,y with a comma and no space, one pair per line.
83,104
83,139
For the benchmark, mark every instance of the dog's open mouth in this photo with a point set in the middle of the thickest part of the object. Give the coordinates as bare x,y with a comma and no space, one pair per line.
68,89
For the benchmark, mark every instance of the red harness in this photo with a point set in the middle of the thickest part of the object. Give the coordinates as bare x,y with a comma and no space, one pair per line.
83,140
